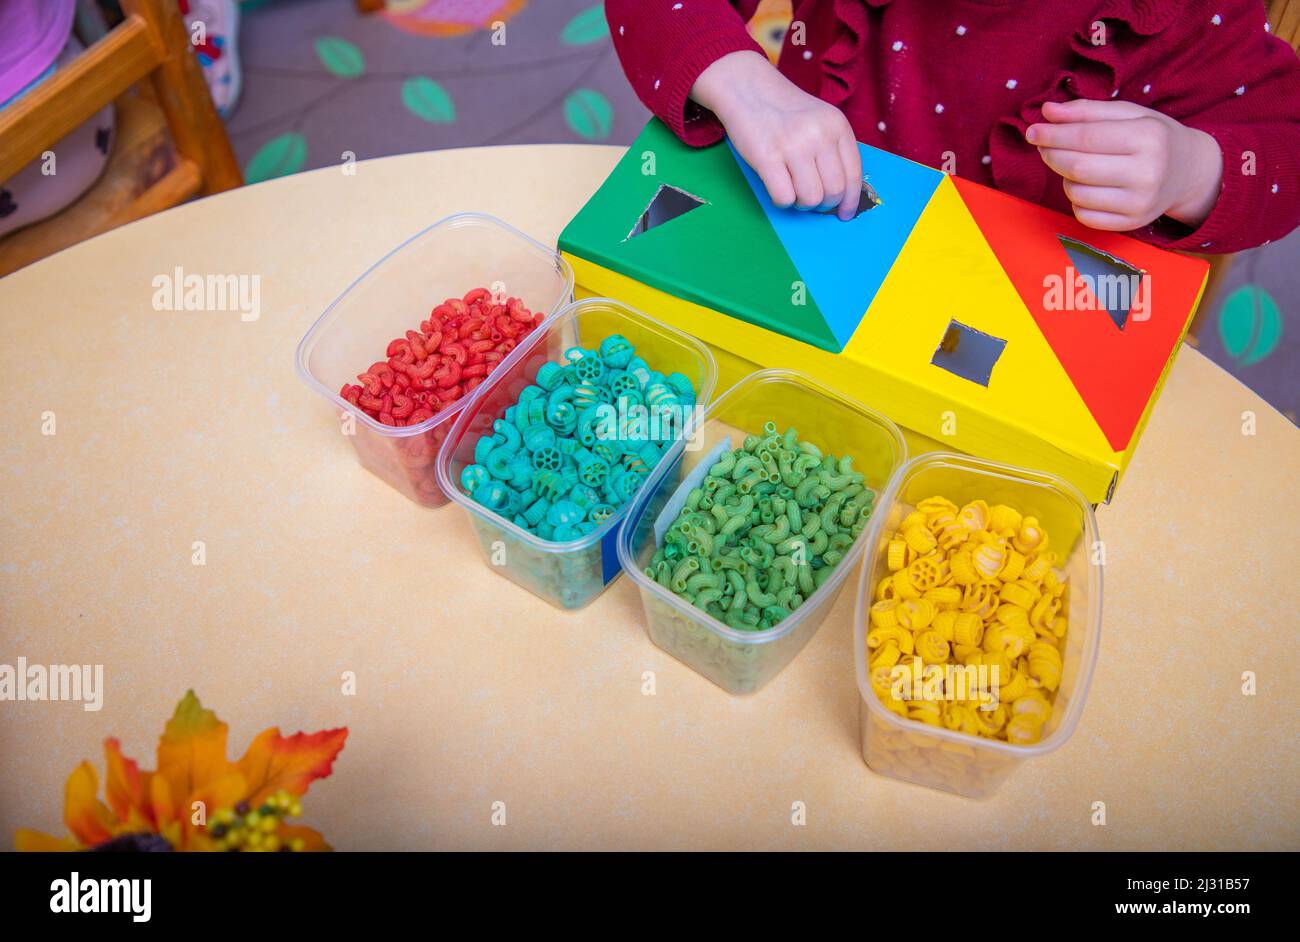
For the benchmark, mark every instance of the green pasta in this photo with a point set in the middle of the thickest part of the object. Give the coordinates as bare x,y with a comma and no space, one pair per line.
763,531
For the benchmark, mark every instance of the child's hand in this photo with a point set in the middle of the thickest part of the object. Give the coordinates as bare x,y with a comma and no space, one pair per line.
1125,165
802,148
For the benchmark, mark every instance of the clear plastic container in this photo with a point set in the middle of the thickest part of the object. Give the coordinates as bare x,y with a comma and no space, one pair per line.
741,662
946,759
450,257
569,575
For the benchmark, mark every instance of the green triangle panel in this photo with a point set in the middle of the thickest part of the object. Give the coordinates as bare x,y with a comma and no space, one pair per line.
723,254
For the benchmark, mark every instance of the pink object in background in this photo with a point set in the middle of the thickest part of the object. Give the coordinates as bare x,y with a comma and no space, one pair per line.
35,32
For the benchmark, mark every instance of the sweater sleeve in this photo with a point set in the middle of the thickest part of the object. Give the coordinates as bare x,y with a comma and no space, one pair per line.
664,45
1255,120
1209,64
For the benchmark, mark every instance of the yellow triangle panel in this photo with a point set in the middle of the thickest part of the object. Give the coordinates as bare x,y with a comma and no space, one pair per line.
946,272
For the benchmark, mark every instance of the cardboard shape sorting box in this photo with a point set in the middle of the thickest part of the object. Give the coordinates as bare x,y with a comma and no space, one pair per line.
969,316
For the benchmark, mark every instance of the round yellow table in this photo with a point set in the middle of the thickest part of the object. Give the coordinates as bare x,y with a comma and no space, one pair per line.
177,428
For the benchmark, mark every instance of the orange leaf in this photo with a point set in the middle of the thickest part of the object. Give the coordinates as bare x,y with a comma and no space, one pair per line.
27,841
225,792
160,804
274,762
192,751
312,840
86,816
123,785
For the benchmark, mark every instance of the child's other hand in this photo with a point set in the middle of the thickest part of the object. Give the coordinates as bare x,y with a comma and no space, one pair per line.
802,148
1125,165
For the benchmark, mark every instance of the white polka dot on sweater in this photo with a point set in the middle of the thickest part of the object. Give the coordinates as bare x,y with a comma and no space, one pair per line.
1115,93
938,109
898,45
620,31
1216,19
1012,83
1267,28
1273,188
880,126
1241,90
961,31
807,53
677,6
1146,89
986,160
656,85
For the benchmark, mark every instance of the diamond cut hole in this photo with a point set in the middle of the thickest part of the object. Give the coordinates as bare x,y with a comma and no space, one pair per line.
968,353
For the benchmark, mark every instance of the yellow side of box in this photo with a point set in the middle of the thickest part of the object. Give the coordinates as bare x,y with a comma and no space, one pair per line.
740,346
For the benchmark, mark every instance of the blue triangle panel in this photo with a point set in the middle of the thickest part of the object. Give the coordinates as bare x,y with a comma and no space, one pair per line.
843,264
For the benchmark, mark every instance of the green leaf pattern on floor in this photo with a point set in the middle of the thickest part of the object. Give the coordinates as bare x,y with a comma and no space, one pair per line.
428,100
589,113
278,157
587,27
340,57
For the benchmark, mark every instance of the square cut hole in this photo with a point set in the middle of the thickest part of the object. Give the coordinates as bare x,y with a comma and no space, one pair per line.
868,200
667,204
1113,282
968,353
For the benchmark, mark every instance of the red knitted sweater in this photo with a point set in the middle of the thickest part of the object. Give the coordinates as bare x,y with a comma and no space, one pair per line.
955,85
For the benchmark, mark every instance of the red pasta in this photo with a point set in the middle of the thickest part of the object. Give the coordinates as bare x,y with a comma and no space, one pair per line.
454,350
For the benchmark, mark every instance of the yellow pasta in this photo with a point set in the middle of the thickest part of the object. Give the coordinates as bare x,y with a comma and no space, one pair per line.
901,637
973,592
1024,730
919,538
932,505
916,613
968,628
1002,517
975,515
1045,664
931,648
884,614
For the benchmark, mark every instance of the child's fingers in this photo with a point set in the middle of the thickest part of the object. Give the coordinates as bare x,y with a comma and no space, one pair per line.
1095,169
808,191
1111,222
1107,199
851,160
1093,137
832,177
776,178
1087,109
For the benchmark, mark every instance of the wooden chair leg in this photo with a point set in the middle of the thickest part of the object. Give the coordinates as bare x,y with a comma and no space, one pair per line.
184,98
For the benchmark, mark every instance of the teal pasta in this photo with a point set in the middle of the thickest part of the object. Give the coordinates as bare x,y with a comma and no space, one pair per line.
763,530
579,442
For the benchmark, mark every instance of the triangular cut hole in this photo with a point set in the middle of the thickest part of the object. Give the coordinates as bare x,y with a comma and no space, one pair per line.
668,204
869,199
968,353
1114,283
